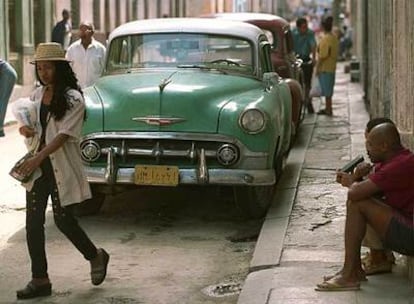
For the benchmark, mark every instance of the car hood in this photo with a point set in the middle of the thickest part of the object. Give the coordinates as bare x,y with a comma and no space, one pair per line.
174,101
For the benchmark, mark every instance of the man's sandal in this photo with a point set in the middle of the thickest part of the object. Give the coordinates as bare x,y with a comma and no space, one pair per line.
324,112
377,268
366,259
361,277
335,284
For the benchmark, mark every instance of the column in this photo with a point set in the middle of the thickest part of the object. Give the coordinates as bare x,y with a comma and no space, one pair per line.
75,13
4,33
44,21
107,23
402,110
25,41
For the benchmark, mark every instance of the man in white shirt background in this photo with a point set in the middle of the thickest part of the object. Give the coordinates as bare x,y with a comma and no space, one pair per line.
87,56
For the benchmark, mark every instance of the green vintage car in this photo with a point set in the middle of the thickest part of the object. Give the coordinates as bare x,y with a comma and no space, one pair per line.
188,101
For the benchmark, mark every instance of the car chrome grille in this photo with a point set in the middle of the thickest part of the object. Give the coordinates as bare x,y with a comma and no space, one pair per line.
129,152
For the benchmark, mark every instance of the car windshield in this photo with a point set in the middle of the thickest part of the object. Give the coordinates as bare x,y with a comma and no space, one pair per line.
181,50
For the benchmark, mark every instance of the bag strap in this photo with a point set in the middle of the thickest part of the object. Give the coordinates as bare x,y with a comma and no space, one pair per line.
43,136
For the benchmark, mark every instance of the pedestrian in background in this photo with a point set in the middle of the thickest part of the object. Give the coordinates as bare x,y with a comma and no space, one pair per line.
326,65
384,201
87,56
61,107
305,47
345,43
8,78
62,31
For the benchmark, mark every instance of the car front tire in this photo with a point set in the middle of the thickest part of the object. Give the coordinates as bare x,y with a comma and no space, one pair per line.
253,201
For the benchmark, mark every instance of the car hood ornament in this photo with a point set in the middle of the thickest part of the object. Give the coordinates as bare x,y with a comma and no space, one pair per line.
158,120
165,82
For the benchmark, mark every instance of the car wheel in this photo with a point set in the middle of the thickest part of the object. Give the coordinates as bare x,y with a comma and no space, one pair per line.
91,206
253,201
294,129
279,165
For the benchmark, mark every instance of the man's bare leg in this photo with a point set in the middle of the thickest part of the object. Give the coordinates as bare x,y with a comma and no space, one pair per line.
328,105
359,213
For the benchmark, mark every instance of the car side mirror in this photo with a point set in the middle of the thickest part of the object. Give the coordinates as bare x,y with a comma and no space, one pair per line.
270,79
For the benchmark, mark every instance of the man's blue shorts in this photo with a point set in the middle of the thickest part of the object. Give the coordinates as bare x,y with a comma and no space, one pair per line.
327,81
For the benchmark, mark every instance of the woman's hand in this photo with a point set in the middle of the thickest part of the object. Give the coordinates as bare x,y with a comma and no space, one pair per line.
27,131
30,165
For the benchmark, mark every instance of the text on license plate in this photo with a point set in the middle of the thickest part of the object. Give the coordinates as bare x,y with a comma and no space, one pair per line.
156,175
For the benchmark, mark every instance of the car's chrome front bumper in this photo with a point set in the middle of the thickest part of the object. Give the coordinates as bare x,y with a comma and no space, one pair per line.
202,175
253,171
191,176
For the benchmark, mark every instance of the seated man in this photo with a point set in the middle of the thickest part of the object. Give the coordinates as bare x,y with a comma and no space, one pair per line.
378,259
390,217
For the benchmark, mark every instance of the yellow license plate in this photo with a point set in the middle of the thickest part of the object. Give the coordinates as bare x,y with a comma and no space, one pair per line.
156,175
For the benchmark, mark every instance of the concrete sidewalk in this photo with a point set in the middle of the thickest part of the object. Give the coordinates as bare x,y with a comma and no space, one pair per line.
302,237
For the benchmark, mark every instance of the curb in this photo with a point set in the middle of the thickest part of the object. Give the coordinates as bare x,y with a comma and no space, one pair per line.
268,251
269,246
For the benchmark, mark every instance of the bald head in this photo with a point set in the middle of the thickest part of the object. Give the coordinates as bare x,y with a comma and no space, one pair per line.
386,134
88,25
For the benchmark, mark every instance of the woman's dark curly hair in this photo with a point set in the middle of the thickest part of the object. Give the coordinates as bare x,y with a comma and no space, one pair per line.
64,79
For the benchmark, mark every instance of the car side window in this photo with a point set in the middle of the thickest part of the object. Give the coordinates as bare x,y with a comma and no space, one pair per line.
289,41
270,37
119,55
265,56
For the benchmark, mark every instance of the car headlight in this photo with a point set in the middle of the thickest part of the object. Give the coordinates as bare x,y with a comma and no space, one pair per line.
252,121
90,151
227,154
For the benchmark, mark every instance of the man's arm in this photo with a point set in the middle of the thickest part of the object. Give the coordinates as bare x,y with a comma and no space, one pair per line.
313,46
358,190
362,190
313,53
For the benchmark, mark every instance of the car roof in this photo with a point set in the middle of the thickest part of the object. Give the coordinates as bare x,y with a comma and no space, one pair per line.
249,17
188,25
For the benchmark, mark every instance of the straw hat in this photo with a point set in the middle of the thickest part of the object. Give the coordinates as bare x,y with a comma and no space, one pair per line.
49,51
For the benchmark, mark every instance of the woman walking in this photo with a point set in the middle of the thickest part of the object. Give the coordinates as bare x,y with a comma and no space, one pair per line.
60,106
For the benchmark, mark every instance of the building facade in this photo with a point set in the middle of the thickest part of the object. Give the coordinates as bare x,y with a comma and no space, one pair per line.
25,23
383,36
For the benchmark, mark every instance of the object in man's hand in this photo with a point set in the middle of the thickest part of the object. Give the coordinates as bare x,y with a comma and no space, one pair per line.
349,167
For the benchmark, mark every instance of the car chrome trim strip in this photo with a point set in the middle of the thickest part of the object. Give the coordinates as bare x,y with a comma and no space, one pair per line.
159,135
158,120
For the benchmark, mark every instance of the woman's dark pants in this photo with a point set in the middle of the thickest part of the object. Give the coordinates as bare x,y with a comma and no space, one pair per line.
36,202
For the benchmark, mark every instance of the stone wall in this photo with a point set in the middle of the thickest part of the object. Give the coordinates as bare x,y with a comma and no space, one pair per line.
383,32
402,109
